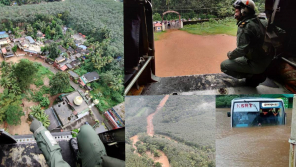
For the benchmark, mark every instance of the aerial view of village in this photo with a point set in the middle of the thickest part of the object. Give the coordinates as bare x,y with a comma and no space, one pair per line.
62,63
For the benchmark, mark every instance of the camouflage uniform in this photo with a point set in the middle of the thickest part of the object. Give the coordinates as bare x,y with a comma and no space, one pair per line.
92,151
249,57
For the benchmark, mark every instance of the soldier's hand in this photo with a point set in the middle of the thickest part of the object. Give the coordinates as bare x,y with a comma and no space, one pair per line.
228,55
35,125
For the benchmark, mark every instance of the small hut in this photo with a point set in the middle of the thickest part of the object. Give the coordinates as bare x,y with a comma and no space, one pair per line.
158,27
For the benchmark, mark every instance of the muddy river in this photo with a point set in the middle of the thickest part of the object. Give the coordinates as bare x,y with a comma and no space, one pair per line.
179,53
256,146
163,159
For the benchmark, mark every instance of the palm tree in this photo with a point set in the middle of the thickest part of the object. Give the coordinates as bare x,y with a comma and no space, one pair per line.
5,82
3,64
15,90
42,117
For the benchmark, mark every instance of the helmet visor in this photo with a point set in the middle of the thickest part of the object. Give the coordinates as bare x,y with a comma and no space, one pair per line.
238,4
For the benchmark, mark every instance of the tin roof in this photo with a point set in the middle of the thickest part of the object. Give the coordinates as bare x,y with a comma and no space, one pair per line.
30,39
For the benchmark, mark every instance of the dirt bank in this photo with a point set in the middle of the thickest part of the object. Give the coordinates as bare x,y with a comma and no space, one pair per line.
179,53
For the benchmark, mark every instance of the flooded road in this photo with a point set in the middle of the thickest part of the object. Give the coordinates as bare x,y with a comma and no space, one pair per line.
179,53
256,146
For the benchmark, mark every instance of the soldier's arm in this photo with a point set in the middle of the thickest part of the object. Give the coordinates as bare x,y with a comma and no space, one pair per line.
243,44
48,145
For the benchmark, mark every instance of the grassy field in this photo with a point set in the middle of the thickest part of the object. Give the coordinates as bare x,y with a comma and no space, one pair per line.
226,26
157,35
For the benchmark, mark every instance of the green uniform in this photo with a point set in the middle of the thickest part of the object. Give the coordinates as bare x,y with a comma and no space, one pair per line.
92,151
49,147
91,148
249,57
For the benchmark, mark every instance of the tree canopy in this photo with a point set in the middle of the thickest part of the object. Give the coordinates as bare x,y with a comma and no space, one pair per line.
24,72
59,83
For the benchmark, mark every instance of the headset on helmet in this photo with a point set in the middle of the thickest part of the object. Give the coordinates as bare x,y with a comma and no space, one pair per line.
246,6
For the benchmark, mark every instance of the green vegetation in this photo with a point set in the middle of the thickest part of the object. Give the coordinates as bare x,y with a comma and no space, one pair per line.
180,154
39,114
59,83
180,116
24,73
157,35
14,48
23,2
101,23
10,109
133,104
224,101
41,74
225,26
203,9
15,79
133,160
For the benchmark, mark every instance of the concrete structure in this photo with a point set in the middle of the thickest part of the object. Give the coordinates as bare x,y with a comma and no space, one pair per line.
3,35
78,103
7,52
64,113
60,59
54,122
28,45
73,75
30,39
158,27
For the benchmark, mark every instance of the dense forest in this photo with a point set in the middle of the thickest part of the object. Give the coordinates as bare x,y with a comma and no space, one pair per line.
183,115
23,2
102,23
184,130
223,101
197,8
138,108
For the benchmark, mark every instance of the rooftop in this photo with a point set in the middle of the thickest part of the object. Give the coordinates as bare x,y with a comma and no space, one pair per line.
30,39
53,120
73,74
61,49
3,34
79,108
91,76
64,113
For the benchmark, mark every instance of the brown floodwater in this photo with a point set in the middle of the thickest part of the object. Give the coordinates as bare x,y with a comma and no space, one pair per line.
254,146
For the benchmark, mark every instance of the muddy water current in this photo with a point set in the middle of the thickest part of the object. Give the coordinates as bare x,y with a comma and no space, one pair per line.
253,146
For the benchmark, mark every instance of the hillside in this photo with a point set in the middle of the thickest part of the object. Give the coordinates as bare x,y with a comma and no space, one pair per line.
184,131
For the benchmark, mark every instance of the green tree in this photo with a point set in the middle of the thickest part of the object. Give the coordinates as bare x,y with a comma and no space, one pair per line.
5,82
14,49
48,32
157,164
117,83
24,72
14,114
45,102
38,113
58,32
30,30
156,17
54,52
17,32
59,83
156,154
10,104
